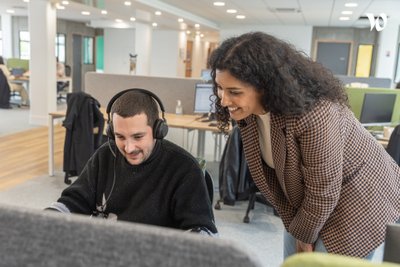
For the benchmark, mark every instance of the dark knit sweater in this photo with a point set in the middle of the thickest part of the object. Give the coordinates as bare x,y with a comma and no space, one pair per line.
168,189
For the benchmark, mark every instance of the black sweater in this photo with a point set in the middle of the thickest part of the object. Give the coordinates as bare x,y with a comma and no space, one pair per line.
168,189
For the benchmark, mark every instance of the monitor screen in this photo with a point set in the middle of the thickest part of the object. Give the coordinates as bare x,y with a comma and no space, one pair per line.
202,101
206,75
377,109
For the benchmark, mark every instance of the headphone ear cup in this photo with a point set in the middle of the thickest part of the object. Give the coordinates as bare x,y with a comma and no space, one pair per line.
110,131
160,129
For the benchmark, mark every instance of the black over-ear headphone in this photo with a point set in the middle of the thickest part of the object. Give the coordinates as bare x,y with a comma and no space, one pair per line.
160,127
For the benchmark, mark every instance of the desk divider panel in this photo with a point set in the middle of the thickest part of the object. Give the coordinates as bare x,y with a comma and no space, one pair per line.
104,86
356,98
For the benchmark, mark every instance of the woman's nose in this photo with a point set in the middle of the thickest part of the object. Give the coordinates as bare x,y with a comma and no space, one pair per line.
224,99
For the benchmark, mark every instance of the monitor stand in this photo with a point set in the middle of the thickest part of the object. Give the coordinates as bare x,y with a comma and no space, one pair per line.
208,117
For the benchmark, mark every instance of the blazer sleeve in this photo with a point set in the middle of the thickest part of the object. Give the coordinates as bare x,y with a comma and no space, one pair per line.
321,146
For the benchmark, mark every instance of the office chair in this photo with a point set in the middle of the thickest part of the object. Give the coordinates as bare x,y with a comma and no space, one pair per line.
255,195
210,185
61,86
208,178
392,243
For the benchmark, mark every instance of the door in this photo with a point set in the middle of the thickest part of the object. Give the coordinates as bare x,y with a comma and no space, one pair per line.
334,56
77,62
188,61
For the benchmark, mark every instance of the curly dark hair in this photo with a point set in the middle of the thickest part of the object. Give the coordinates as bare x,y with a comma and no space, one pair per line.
289,81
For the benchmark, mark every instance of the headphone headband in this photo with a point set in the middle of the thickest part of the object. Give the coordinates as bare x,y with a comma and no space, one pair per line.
147,92
160,127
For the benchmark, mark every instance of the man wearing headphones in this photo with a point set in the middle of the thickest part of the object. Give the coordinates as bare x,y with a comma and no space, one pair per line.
138,176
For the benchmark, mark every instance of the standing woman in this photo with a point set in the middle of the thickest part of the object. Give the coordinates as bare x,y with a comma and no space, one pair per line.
332,183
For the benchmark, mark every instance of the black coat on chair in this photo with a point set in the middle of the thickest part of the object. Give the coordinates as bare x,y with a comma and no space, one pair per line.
4,91
83,115
234,173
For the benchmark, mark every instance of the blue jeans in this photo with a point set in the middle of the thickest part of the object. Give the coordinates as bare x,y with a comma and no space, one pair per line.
289,246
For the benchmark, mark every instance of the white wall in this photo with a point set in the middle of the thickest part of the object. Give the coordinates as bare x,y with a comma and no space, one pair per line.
164,53
118,43
387,51
299,36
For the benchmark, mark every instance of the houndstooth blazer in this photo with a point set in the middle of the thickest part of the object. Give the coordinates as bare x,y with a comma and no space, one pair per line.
332,179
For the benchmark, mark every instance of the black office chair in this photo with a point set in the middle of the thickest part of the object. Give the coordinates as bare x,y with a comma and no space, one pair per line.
61,93
255,195
392,244
210,185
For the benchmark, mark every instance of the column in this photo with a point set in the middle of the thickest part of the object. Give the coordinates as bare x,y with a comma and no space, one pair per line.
387,48
6,28
42,64
143,43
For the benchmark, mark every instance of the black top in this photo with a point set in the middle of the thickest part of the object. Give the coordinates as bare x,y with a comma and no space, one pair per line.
168,189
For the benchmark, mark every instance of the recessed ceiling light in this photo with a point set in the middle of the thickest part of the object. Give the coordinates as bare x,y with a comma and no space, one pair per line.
118,20
180,20
347,12
158,13
85,13
219,3
188,32
11,11
240,16
231,11
197,25
344,18
154,24
132,19
58,6
65,2
104,12
201,35
350,4
26,1
127,3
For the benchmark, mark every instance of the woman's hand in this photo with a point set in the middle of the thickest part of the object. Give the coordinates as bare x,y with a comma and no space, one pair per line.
304,247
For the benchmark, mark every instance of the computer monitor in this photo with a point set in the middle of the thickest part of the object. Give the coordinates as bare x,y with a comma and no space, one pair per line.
202,102
206,75
377,109
17,72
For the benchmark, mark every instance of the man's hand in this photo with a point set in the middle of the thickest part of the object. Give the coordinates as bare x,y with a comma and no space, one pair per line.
304,247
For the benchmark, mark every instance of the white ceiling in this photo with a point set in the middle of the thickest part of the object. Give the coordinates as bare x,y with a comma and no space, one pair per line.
212,18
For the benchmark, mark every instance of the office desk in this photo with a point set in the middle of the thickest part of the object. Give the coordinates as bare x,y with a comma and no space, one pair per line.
189,122
25,80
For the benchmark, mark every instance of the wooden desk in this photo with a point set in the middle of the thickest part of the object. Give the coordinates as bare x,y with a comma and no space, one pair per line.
189,122
25,80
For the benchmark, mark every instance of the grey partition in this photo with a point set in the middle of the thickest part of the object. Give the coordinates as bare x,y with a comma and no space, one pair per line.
49,238
371,81
103,86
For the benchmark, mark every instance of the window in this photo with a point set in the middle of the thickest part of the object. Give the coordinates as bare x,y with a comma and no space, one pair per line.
24,45
364,60
87,50
60,47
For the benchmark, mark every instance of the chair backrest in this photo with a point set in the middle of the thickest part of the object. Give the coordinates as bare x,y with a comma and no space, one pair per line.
68,70
210,185
48,238
391,251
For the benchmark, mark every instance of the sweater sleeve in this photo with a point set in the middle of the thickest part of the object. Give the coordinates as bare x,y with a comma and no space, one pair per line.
80,197
191,204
